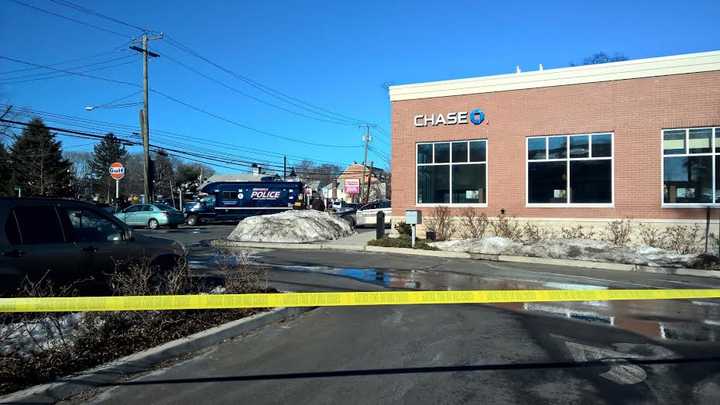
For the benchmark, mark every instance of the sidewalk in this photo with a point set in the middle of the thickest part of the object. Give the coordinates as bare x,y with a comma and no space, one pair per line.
360,238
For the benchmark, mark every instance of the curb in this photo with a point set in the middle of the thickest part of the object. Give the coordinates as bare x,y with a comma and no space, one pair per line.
680,271
124,367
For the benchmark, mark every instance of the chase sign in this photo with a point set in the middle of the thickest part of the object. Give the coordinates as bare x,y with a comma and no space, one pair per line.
476,117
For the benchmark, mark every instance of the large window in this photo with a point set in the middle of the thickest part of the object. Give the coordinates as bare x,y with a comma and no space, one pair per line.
570,169
691,166
452,172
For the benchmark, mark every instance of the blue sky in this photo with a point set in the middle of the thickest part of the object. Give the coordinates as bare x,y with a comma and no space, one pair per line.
337,55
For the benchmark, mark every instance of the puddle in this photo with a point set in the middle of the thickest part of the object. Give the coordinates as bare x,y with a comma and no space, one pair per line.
677,320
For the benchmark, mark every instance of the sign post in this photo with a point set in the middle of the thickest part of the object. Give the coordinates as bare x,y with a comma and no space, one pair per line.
117,172
413,218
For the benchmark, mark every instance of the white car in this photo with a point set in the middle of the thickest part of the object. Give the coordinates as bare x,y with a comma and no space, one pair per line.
366,215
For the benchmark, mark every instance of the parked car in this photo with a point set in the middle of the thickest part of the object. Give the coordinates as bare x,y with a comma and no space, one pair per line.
152,216
68,241
366,215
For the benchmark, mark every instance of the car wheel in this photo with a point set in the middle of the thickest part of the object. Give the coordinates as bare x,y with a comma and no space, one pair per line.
153,223
193,220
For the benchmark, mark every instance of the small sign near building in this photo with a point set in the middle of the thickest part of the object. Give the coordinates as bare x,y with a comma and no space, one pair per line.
352,186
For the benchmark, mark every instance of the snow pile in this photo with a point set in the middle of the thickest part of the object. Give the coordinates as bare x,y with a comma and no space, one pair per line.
39,334
576,249
291,227
493,245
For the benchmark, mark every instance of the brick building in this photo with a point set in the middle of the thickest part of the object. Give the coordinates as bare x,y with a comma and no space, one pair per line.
636,139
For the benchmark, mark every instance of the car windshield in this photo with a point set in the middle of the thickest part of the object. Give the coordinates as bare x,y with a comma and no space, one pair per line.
165,207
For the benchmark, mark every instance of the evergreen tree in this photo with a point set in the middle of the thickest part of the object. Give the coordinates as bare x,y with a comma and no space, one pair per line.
5,173
107,152
164,175
37,164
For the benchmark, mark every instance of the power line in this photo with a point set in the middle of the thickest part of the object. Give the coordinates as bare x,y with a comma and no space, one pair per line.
188,105
266,89
42,10
46,76
123,128
95,13
259,100
207,158
260,131
118,48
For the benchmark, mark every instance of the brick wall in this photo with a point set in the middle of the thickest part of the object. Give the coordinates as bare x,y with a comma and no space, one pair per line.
635,110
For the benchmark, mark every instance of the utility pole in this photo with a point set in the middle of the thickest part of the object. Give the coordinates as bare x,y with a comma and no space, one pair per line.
284,168
147,176
367,195
366,140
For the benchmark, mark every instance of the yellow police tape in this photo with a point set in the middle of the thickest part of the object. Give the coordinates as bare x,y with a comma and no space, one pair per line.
335,299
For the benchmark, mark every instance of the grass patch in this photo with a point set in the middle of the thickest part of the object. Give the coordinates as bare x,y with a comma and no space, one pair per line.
401,242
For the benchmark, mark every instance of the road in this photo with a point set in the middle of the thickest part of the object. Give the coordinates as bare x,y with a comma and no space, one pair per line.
621,352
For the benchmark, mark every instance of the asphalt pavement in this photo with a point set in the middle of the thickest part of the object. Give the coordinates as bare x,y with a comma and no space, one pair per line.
594,352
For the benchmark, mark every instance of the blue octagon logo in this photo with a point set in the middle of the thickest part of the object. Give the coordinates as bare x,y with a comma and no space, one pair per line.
477,116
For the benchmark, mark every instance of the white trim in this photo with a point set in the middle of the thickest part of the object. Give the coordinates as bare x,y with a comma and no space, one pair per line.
450,164
712,154
568,159
632,69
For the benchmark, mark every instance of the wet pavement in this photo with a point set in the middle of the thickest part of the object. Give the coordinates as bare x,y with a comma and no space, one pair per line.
584,352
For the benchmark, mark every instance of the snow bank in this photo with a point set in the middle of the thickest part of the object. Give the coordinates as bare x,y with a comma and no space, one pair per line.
493,245
291,227
577,249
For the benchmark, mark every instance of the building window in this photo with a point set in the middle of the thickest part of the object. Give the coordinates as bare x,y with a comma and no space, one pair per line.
570,169
691,166
452,172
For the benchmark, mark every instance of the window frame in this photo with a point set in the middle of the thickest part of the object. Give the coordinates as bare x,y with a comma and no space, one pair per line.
715,132
568,159
450,164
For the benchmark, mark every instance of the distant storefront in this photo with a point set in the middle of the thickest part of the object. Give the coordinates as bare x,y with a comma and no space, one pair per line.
635,139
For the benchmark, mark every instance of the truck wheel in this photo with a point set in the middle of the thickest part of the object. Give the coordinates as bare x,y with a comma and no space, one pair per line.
153,223
193,220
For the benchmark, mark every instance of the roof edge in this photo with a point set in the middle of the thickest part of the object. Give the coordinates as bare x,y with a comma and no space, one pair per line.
631,69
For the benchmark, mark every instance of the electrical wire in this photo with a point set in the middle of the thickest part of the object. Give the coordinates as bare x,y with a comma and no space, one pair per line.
47,76
266,89
250,96
122,128
115,50
188,105
97,14
208,159
42,10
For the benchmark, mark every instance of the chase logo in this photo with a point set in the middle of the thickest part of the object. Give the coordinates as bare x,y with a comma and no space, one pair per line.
476,117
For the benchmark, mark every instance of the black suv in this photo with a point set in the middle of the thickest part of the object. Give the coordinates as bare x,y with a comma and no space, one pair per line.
69,241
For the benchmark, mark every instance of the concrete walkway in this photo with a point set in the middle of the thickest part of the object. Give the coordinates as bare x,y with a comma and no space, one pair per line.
361,237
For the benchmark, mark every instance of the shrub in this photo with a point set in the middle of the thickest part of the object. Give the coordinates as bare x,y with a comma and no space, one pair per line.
577,232
533,233
506,227
36,348
401,242
651,235
618,232
403,228
474,226
682,239
441,223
